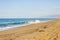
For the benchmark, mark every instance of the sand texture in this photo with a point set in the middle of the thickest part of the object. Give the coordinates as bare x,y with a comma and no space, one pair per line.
41,31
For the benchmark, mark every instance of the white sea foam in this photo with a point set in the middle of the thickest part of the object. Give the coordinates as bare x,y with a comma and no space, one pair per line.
37,21
33,22
11,27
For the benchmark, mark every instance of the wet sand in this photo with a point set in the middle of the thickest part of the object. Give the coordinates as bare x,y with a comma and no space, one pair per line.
40,31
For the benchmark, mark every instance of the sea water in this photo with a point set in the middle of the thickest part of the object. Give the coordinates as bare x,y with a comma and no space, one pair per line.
9,23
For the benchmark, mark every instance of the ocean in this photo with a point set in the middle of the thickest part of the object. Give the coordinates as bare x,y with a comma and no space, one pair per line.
9,23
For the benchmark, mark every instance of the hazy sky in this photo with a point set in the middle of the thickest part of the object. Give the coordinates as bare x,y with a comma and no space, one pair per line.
29,8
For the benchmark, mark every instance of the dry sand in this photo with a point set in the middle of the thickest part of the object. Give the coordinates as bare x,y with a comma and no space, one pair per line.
40,31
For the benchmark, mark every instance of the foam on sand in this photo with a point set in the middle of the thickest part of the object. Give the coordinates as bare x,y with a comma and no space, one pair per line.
9,27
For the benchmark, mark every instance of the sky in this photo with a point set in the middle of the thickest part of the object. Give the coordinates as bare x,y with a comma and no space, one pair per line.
29,8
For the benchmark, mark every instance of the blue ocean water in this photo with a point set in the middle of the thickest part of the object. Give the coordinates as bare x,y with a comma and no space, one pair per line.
6,23
18,21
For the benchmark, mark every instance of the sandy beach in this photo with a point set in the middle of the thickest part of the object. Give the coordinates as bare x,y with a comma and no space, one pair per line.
40,31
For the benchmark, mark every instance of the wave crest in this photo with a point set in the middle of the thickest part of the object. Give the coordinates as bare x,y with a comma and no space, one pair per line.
33,22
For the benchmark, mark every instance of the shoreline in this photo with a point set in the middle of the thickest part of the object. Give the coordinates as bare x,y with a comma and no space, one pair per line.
37,31
9,27
19,26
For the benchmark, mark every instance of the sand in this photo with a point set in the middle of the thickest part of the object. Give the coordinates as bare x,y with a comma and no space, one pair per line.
41,31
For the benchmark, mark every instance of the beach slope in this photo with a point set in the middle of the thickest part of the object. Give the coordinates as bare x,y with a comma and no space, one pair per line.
41,31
